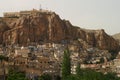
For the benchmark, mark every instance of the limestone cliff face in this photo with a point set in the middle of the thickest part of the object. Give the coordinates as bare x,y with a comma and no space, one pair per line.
98,38
3,28
48,27
117,37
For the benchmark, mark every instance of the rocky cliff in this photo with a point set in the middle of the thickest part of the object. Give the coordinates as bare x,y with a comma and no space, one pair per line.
117,37
48,27
3,27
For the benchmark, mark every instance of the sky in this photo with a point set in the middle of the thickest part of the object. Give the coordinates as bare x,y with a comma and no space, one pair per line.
89,14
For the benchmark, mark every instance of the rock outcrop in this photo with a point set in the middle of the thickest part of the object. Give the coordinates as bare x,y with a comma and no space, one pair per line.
3,28
117,37
48,27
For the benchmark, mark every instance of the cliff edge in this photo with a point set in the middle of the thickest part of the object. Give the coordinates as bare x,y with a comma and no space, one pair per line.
48,27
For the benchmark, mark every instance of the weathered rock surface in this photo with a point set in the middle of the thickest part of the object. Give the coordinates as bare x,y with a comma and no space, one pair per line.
117,37
50,28
3,28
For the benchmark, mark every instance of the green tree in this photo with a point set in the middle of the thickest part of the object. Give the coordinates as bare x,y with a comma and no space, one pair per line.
15,75
78,70
45,77
66,64
2,60
111,76
89,74
73,77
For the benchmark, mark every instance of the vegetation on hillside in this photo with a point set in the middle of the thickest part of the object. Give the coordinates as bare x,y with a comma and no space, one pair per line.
84,74
81,74
66,65
15,75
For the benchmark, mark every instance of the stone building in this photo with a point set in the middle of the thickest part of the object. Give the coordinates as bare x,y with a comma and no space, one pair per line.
25,13
11,14
116,66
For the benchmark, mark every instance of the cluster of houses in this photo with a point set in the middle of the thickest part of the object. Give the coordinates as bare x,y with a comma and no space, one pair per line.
34,60
47,59
40,59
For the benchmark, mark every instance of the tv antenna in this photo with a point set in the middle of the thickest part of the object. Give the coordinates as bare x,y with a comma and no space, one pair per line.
40,7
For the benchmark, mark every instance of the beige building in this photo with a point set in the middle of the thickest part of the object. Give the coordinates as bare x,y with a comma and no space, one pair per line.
25,13
116,66
11,14
38,66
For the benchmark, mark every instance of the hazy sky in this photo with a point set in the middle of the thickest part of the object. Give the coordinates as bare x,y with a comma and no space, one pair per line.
90,14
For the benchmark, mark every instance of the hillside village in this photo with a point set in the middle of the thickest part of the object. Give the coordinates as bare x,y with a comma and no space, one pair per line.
47,58
36,58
